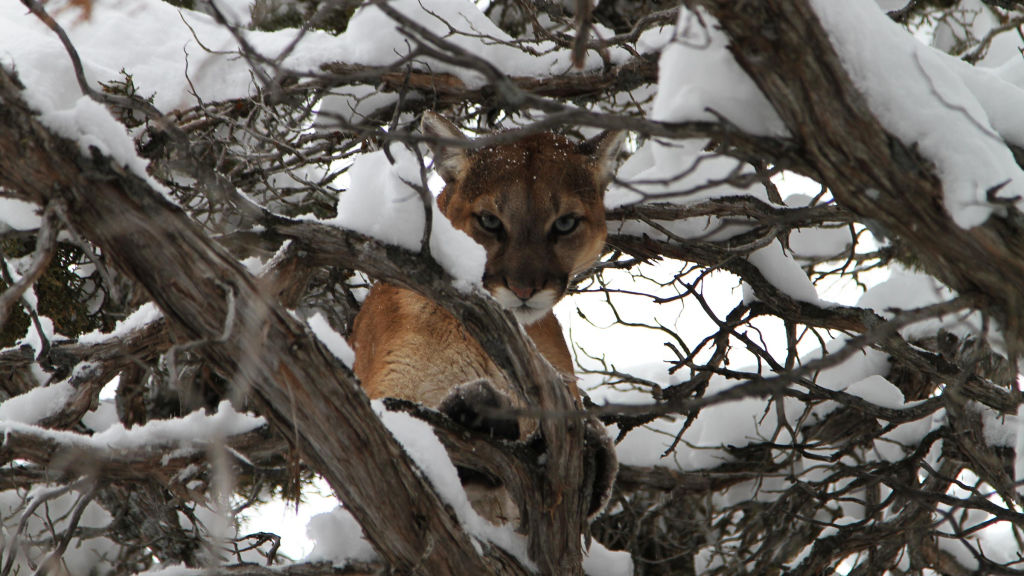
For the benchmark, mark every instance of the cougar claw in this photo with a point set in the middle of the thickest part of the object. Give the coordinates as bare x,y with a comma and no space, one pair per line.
477,405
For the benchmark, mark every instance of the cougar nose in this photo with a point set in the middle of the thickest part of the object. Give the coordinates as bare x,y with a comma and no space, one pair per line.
522,291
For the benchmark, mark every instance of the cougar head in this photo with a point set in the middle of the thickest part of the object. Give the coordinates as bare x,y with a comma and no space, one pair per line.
536,205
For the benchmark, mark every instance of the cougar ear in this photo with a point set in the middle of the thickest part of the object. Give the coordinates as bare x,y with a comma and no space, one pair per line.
449,160
604,149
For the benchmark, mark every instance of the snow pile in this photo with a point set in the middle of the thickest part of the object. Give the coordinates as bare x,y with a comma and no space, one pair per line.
119,35
146,314
683,173
381,202
36,404
973,20
195,428
680,172
783,272
33,338
699,80
997,541
600,561
1002,429
918,96
103,416
18,215
705,444
333,341
338,539
721,427
878,391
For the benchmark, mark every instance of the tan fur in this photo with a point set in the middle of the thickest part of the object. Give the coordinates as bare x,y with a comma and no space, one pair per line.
408,347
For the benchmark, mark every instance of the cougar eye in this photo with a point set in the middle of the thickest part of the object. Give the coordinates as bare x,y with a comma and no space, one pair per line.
489,222
566,224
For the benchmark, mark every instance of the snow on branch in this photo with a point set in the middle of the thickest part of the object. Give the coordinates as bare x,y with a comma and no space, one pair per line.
869,170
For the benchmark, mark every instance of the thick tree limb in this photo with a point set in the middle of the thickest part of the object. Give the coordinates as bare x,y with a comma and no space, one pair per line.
447,89
63,458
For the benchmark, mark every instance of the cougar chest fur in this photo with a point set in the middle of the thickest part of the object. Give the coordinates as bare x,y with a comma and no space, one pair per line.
536,206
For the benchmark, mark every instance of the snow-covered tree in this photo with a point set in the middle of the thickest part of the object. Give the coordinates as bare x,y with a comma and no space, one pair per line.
804,334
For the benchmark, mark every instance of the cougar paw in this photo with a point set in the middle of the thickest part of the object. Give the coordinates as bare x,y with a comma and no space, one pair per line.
477,405
600,466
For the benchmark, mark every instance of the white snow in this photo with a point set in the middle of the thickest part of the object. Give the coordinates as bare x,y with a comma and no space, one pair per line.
860,366
684,174
172,570
18,215
146,314
818,242
878,391
910,433
1002,429
813,243
735,423
102,417
338,539
971,21
600,561
33,338
36,404
1018,465
699,80
91,125
999,93
381,203
334,342
679,172
192,430
782,271
195,428
653,40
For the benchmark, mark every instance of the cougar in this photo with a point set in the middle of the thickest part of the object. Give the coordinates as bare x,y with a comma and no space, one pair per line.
536,206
